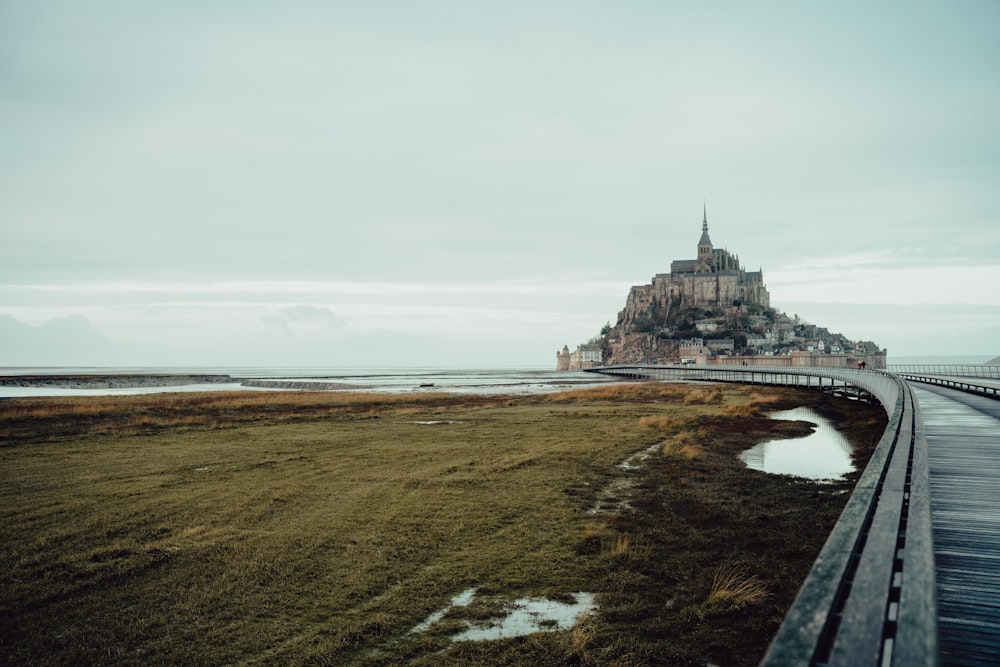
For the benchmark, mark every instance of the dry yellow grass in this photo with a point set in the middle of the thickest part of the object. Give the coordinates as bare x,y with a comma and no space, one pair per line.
620,545
183,404
683,445
581,636
704,396
734,588
745,410
624,547
764,397
661,422
754,404
638,391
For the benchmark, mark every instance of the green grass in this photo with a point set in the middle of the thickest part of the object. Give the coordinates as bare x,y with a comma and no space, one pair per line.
281,528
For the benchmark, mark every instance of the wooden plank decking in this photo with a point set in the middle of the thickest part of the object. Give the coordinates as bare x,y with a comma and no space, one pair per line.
963,437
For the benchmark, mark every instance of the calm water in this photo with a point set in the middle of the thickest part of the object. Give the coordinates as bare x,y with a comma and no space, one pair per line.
823,454
523,616
496,381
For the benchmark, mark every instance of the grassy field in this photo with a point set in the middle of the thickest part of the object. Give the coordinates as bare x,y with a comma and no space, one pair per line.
320,528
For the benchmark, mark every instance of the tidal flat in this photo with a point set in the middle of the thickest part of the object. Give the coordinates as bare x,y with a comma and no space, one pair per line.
319,528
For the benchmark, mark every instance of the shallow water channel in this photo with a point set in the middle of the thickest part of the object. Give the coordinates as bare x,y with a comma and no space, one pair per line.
823,454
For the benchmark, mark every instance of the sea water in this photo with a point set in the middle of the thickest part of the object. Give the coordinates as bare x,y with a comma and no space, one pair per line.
474,381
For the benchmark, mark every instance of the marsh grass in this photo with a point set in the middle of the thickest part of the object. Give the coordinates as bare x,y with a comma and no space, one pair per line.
620,546
150,413
706,395
734,588
745,410
683,445
290,528
660,422
623,547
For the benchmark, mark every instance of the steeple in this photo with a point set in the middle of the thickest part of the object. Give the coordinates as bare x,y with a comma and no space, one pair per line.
704,243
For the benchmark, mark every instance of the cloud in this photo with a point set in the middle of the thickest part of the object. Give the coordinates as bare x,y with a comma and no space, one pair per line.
868,284
186,176
303,319
217,288
312,315
256,322
910,329
70,340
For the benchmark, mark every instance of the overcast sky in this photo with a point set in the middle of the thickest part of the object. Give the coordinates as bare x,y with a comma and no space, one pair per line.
476,184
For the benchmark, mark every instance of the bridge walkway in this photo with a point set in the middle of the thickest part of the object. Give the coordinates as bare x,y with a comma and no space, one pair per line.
989,387
982,382
910,575
963,440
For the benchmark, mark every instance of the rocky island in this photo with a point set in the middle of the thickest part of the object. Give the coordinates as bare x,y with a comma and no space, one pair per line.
711,310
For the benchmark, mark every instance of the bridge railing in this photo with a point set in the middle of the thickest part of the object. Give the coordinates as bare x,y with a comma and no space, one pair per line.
870,596
962,384
960,370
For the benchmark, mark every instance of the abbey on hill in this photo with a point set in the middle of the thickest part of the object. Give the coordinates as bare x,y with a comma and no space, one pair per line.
714,280
708,310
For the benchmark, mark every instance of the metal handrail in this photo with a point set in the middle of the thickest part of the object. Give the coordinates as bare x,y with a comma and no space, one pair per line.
870,596
961,370
990,391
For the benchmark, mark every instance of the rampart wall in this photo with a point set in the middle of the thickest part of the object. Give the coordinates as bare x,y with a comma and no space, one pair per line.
797,360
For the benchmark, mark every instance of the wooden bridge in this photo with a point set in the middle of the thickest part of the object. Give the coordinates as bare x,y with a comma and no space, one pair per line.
910,575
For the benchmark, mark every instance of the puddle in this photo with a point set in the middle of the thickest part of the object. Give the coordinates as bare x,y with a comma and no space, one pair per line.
461,600
529,615
524,616
823,454
430,423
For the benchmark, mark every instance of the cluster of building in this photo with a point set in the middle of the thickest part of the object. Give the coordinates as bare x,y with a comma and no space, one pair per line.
585,356
783,344
737,324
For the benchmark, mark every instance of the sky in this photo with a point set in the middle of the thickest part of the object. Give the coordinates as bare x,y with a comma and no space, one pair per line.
477,184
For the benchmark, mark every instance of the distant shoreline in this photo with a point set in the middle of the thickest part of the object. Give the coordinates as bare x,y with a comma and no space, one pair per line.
93,381
124,381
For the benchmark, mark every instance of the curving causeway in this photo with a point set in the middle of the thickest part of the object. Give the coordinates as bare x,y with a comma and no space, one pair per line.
910,574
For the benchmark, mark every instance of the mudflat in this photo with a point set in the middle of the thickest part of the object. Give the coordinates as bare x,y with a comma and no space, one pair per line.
320,528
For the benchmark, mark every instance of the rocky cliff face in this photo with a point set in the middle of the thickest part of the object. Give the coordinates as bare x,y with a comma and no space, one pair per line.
648,329
639,348
655,301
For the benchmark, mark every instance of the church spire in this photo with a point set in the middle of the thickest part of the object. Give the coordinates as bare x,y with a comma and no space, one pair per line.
704,241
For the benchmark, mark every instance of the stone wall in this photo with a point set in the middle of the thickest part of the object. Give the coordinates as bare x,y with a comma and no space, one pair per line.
797,359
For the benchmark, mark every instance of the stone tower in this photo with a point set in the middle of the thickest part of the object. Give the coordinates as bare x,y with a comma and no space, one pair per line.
562,359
